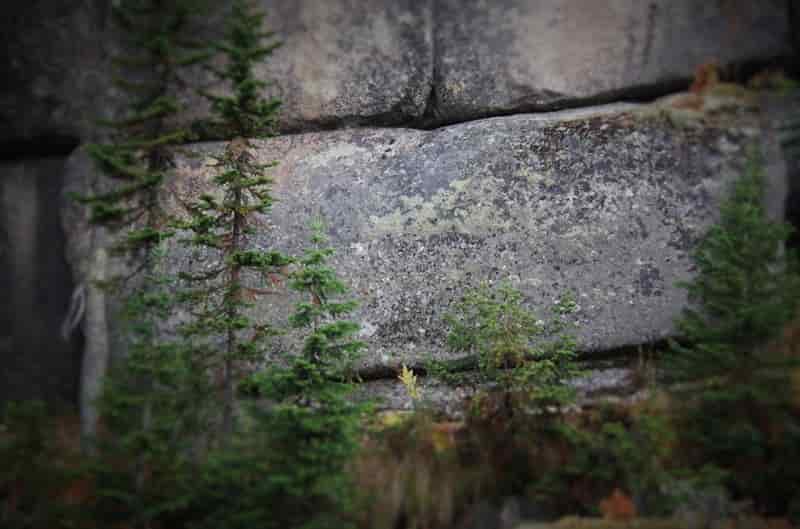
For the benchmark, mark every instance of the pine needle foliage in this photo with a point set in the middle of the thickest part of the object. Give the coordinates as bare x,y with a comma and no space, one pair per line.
736,409
329,344
159,44
222,225
244,111
146,401
525,354
746,289
313,427
285,466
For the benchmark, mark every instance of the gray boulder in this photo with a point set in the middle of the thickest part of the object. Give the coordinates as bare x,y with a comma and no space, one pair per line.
52,66
513,55
605,203
370,62
342,62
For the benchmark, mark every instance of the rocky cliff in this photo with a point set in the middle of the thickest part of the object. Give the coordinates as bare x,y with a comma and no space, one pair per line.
384,103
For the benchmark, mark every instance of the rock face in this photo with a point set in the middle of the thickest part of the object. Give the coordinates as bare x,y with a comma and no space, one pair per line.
34,280
52,63
510,56
604,203
342,62
379,62
346,62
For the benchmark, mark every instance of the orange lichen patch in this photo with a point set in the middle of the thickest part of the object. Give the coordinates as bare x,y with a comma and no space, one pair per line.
706,76
618,506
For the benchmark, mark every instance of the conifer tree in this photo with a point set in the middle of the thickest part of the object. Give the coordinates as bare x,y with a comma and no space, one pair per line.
158,35
746,289
223,226
144,401
289,468
314,427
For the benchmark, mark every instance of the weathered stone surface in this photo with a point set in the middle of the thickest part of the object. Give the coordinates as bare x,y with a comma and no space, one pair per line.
35,285
51,63
605,203
357,62
342,62
350,61
346,62
513,55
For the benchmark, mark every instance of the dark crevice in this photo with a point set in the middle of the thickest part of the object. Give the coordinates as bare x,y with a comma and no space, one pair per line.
36,284
642,94
62,356
793,8
434,116
792,211
431,110
39,147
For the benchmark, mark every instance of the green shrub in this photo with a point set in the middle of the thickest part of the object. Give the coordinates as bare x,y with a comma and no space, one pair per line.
513,346
35,470
735,391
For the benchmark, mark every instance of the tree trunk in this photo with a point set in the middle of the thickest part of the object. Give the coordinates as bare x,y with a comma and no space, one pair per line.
233,312
95,354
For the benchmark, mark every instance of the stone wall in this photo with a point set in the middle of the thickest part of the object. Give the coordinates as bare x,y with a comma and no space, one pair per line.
423,197
409,62
604,203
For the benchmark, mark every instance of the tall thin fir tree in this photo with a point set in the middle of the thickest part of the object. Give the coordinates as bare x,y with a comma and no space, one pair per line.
221,294
290,465
142,408
315,427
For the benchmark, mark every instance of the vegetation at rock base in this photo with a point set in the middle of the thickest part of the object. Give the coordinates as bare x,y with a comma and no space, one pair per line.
717,445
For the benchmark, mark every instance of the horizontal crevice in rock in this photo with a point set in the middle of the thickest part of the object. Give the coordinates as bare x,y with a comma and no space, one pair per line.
434,117
38,147
641,94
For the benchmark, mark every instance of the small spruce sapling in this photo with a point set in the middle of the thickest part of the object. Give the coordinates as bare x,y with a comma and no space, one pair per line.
515,348
294,454
746,288
316,422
